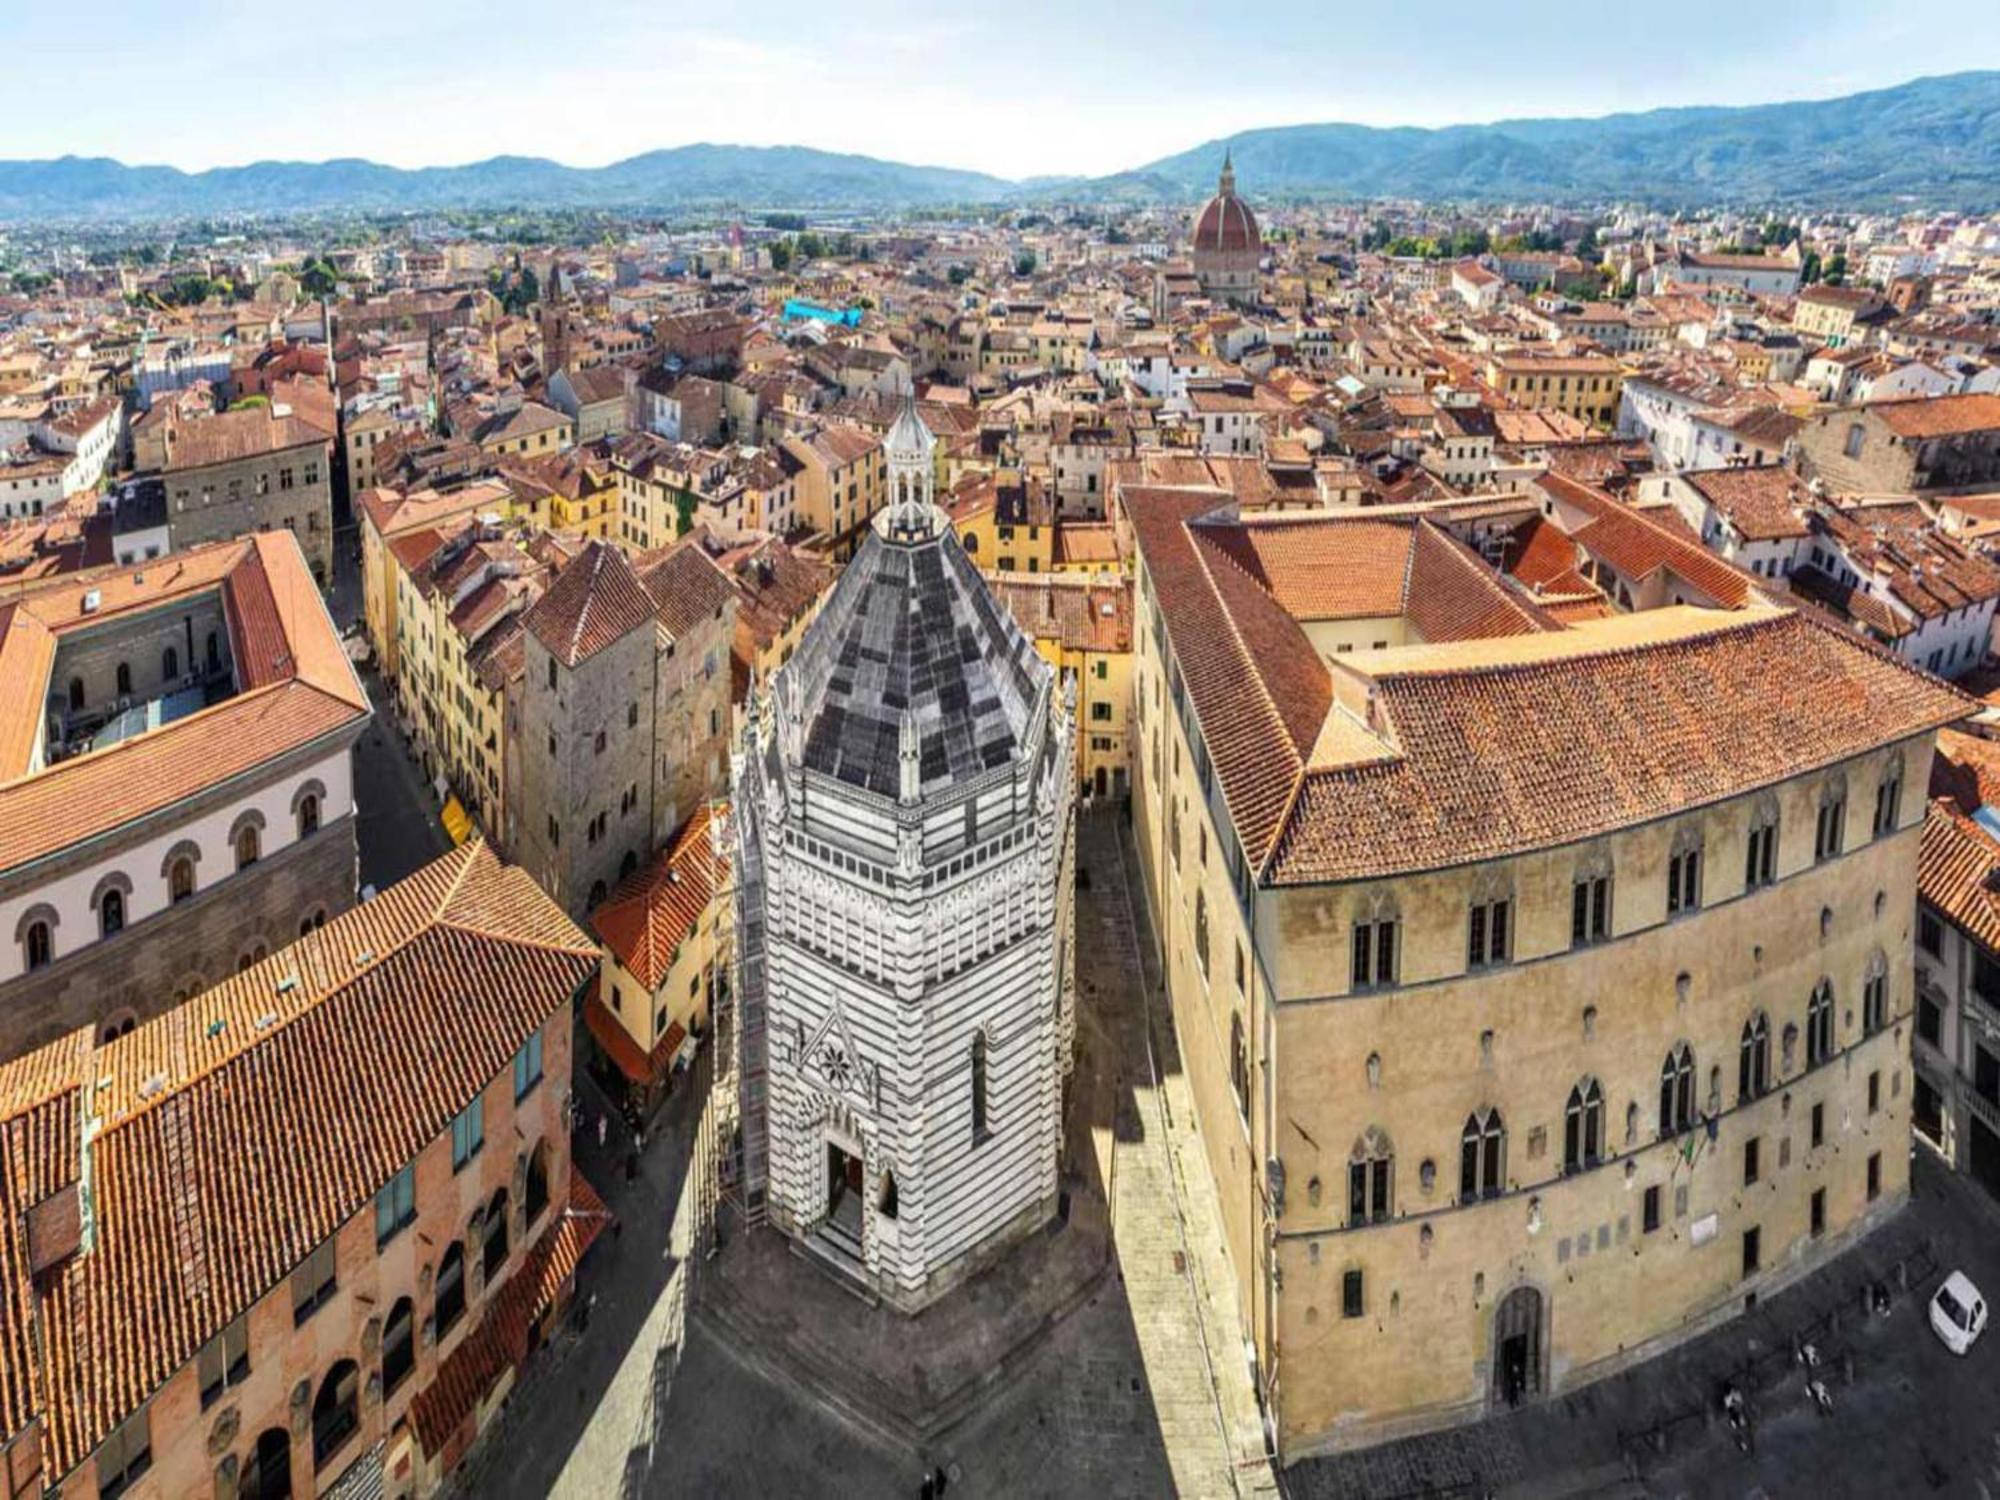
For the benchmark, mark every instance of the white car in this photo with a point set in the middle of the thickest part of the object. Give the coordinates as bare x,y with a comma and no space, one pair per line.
1958,1312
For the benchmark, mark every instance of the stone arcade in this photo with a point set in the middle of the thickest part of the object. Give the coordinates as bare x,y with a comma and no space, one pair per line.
906,972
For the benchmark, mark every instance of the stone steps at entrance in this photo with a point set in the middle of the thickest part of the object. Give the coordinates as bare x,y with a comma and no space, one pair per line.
837,1251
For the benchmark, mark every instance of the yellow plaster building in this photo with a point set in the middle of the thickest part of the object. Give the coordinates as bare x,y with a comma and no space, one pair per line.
1584,385
1542,992
659,931
1082,626
391,517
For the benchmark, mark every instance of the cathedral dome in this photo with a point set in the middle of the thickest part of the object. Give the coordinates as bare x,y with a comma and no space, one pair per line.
1225,224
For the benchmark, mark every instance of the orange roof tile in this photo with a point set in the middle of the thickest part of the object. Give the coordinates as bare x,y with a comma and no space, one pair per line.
1573,740
644,921
242,1129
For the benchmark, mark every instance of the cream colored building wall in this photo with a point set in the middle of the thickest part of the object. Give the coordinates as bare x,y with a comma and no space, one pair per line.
1332,637
1422,1352
1168,809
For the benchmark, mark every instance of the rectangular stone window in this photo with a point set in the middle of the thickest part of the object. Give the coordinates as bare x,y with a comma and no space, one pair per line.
1351,1302
224,1362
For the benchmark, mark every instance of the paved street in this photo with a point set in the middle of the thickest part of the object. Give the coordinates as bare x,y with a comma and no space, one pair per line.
1909,1418
1119,1399
398,829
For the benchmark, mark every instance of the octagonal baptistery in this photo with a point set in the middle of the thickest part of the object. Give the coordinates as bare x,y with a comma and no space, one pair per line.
906,840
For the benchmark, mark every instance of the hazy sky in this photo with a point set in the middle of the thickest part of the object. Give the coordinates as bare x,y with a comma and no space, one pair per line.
1016,88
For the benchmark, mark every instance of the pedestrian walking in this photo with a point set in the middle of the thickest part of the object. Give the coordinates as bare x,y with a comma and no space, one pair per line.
943,1479
600,1131
928,1489
638,1138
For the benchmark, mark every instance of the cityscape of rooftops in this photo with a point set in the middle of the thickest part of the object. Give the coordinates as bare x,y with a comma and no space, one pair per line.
915,751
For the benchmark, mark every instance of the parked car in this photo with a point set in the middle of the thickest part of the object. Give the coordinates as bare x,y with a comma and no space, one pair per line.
1958,1312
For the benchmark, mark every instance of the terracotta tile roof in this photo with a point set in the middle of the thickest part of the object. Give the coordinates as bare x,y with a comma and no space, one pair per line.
391,511
501,1339
229,436
644,921
684,585
1547,740
242,1129
1083,542
1257,751
1454,596
1938,416
1636,545
594,601
1082,614
295,684
1958,872
1966,770
1328,568
1925,571
639,1066
412,549
1764,502
775,584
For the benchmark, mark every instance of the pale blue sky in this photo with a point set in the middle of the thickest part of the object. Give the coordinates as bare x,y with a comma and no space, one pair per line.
1015,88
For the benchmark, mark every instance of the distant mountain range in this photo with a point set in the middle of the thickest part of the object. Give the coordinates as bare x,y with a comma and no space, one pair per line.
1933,140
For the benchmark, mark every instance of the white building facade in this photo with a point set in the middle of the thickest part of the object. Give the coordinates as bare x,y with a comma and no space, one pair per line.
905,966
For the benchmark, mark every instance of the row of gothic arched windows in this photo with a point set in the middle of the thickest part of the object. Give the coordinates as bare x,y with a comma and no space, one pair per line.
1483,1142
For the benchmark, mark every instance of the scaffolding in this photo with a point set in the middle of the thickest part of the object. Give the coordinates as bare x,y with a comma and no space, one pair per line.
741,1052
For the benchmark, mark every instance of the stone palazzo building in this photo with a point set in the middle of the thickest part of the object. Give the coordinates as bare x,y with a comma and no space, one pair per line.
906,971
1545,991
176,782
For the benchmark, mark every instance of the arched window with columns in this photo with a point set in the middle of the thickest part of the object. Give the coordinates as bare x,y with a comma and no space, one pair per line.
1583,1126
1481,1148
1371,1178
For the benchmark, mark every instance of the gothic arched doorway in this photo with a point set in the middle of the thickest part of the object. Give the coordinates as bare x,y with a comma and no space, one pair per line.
1517,1347
267,1473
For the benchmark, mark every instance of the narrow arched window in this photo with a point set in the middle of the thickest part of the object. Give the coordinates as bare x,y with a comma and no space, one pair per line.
1583,1127
1753,1059
1889,797
76,695
1760,849
170,666
308,815
1819,1024
979,1127
214,652
399,1345
247,847
336,1411
111,913
1875,996
449,1305
39,940
494,1250
1479,1156
1677,1091
537,1191
124,679
180,879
